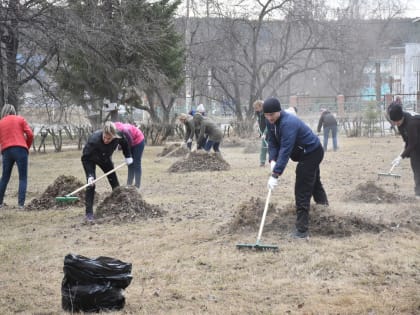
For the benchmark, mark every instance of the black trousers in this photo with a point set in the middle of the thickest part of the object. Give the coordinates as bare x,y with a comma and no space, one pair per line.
415,166
106,166
308,184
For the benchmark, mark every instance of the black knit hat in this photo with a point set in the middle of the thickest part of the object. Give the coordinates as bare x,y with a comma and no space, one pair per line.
395,112
271,105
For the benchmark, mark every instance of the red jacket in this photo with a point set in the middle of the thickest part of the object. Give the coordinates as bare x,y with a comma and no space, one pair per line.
15,132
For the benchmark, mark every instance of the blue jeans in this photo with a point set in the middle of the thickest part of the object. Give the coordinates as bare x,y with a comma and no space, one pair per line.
212,144
334,137
10,156
134,169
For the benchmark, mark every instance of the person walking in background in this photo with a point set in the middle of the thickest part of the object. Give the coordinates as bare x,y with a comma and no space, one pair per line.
98,151
409,128
16,138
135,138
188,122
329,123
290,137
262,130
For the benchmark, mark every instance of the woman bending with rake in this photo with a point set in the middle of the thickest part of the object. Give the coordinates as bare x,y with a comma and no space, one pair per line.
98,151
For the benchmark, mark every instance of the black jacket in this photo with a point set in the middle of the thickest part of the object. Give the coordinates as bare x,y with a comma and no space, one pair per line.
410,132
97,151
327,120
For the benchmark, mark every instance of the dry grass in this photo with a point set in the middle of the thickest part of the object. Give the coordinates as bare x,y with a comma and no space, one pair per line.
186,262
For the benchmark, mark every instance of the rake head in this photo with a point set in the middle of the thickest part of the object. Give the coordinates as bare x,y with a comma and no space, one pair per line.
258,247
66,199
389,175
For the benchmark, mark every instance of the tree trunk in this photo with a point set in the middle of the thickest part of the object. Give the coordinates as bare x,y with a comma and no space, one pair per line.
12,44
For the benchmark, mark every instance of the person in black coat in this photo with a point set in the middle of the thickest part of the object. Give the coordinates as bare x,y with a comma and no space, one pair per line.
409,128
98,151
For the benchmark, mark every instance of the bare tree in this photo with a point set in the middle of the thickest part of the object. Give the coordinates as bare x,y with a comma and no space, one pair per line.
251,58
359,33
27,45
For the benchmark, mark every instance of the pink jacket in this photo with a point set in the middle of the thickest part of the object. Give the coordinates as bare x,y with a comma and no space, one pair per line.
133,134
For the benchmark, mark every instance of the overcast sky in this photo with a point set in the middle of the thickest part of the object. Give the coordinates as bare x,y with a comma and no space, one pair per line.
413,6
414,10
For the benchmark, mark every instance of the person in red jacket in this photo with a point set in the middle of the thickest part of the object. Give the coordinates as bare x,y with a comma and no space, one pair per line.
15,140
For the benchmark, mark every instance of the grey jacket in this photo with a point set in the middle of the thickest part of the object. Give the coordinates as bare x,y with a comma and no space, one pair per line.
207,127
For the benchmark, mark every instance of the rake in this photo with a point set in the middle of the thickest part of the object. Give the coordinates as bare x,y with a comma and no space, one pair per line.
390,174
168,154
257,245
70,198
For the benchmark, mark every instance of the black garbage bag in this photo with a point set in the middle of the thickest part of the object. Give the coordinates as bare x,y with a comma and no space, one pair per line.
91,297
92,285
82,270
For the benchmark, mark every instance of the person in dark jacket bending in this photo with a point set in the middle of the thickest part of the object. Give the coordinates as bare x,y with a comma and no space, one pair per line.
329,123
98,151
210,134
409,128
290,137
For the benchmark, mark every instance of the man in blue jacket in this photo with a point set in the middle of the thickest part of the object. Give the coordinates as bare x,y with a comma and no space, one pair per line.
289,137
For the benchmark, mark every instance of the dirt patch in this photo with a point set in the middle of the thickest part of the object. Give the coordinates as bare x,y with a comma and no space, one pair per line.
200,162
229,142
369,192
322,221
61,186
252,147
174,149
125,204
249,214
407,218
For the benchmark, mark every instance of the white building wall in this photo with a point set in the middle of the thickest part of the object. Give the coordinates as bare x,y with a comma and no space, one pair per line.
412,68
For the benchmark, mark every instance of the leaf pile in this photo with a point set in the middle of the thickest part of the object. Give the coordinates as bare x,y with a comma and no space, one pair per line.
370,193
62,186
125,204
200,162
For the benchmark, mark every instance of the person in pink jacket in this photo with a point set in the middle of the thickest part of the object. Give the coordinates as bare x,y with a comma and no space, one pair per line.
15,141
135,139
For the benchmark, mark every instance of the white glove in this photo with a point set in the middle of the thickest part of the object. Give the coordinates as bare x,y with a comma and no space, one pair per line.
263,136
129,160
272,165
272,183
189,140
91,180
396,161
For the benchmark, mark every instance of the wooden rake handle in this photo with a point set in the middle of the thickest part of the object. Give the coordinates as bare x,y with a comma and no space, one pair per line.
267,201
169,154
100,177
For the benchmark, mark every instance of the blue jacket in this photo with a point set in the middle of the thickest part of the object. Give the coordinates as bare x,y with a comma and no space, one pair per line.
286,136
